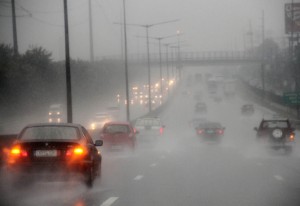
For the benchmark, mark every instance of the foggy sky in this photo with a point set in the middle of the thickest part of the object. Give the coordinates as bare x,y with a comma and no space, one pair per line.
207,25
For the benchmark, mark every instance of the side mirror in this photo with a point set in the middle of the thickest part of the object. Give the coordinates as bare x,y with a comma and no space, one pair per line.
98,143
255,129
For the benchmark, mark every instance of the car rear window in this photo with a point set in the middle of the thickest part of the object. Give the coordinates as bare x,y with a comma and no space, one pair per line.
114,128
210,125
280,124
50,133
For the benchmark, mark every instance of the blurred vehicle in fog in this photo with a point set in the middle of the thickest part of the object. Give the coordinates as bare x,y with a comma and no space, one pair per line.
55,113
277,133
201,108
118,136
210,130
247,109
99,120
149,127
54,151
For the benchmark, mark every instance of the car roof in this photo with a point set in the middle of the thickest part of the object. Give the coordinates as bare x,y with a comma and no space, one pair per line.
118,123
275,120
54,124
205,124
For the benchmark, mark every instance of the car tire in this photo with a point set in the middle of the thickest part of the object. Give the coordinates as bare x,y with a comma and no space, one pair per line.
89,177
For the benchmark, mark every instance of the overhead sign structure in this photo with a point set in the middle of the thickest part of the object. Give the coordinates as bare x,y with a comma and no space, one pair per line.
292,98
292,17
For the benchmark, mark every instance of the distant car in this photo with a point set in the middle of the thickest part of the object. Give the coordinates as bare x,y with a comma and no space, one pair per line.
210,130
201,107
278,133
118,136
247,109
99,120
55,113
150,126
55,151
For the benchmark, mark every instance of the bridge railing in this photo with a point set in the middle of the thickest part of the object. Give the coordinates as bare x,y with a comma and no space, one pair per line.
190,56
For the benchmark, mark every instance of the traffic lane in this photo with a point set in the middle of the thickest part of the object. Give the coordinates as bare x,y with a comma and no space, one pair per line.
50,193
119,169
208,175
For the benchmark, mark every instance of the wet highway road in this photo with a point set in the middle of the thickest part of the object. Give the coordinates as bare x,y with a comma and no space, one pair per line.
179,169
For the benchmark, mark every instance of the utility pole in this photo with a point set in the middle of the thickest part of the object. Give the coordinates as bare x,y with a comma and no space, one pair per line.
68,68
263,56
147,26
91,32
15,39
126,64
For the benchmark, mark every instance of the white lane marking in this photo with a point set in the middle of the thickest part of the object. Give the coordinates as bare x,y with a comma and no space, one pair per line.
138,177
278,177
153,165
109,201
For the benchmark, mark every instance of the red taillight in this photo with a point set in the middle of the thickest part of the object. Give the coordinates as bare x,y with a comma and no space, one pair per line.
76,152
161,130
220,131
18,152
292,137
200,131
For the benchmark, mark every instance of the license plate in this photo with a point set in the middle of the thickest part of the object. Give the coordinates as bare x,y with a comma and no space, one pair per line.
210,131
45,153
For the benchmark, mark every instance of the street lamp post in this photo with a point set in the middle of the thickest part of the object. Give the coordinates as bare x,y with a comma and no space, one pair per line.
126,64
159,39
147,26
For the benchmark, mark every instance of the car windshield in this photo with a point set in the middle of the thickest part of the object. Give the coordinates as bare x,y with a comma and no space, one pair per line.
50,133
115,128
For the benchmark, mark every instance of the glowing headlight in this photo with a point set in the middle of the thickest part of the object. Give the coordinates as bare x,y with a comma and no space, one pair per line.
58,113
50,120
58,119
50,113
93,126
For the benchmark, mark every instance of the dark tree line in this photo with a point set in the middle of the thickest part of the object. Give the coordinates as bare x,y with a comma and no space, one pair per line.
32,81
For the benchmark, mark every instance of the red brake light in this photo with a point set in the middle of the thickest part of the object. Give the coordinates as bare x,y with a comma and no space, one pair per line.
200,131
161,130
76,152
292,137
220,131
18,152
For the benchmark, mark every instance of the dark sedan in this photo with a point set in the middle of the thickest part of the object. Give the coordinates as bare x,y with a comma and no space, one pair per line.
210,130
54,151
